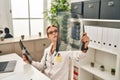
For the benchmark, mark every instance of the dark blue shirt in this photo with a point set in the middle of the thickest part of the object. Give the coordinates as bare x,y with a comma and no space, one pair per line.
8,35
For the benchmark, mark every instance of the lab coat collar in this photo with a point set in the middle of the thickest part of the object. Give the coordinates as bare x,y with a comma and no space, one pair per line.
54,53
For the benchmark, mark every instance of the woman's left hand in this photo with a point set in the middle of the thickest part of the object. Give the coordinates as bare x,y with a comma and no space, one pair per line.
85,40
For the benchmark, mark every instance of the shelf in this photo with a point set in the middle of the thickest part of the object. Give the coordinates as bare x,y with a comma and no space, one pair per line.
101,20
75,20
95,20
110,54
104,50
95,70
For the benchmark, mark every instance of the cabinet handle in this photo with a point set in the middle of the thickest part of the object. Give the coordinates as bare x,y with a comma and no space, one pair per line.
104,43
0,51
44,44
98,42
115,46
90,6
76,7
111,3
94,41
109,44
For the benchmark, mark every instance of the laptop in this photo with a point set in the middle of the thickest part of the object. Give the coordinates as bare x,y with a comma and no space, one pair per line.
7,66
25,52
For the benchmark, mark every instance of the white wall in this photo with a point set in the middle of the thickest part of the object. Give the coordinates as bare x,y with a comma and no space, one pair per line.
5,15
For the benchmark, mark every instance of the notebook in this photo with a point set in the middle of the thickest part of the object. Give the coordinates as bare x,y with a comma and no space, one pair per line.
25,51
7,66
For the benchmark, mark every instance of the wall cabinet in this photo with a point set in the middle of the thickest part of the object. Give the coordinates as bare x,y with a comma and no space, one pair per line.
40,45
103,50
6,48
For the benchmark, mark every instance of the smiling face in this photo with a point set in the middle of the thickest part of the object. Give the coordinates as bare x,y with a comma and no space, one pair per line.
52,33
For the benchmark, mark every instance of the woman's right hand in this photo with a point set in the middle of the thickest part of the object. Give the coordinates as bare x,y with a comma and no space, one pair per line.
25,58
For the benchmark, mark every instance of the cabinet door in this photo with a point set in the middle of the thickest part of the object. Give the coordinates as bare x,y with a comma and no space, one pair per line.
77,7
40,45
29,46
91,9
110,9
17,48
34,47
6,48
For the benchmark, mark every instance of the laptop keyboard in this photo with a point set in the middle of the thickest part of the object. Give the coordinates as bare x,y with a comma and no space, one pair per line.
3,65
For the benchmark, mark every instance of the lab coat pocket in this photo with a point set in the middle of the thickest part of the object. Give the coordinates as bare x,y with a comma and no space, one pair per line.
58,61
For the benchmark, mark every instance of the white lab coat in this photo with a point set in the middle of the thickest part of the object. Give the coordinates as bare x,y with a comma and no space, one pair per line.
57,69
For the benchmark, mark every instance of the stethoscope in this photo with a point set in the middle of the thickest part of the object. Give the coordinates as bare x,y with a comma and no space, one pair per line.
45,65
56,52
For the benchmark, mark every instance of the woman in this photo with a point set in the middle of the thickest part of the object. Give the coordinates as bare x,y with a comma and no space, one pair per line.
56,64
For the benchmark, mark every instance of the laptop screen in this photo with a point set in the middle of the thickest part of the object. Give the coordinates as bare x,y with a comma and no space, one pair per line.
7,66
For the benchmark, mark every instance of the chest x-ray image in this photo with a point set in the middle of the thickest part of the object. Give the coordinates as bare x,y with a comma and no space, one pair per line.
75,35
70,33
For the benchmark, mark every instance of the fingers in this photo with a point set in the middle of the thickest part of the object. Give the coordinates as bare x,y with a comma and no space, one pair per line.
86,44
25,58
85,38
84,34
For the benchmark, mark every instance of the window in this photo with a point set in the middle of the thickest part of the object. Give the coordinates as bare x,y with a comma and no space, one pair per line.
27,17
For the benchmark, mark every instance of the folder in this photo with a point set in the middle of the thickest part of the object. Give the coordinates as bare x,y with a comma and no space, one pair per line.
93,31
89,33
99,37
110,39
113,39
105,38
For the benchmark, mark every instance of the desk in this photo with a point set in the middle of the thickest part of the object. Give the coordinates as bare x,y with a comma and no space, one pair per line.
22,70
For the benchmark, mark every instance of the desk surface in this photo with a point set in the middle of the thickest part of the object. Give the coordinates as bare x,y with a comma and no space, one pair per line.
22,70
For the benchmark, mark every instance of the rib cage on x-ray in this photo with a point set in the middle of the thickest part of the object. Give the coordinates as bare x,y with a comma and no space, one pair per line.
75,35
69,34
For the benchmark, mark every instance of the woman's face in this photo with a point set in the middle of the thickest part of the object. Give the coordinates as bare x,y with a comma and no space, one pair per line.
52,34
